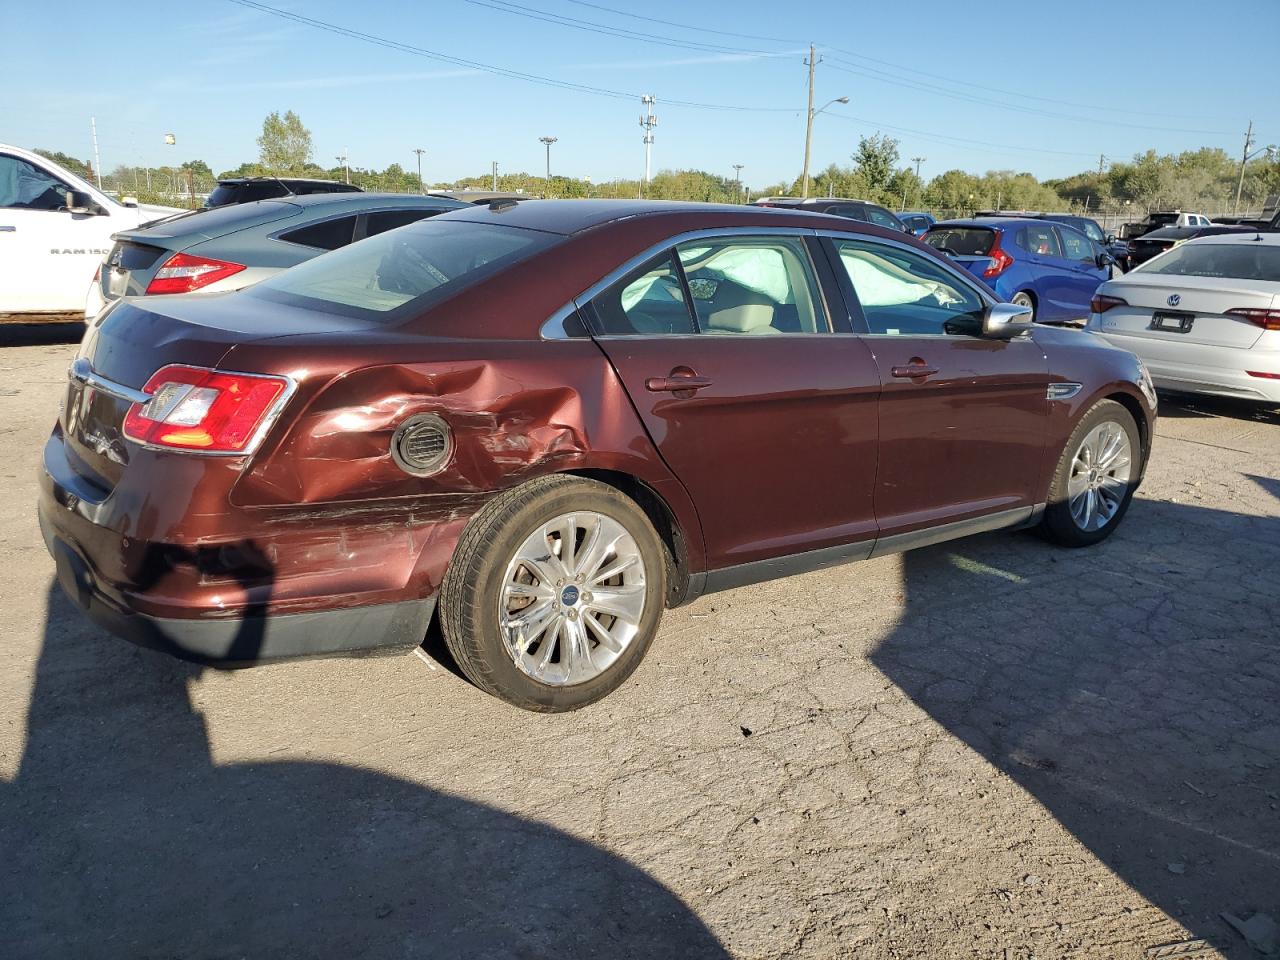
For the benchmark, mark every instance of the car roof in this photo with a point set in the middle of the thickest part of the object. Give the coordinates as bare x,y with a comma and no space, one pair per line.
811,201
568,217
358,200
268,179
1241,236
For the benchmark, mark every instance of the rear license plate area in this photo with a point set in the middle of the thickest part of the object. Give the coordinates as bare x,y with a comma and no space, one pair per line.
117,282
1172,322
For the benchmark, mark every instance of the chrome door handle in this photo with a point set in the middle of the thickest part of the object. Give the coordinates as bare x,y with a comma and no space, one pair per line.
675,384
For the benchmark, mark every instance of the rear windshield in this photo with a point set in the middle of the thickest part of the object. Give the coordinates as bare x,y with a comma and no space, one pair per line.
229,193
406,268
961,241
1236,261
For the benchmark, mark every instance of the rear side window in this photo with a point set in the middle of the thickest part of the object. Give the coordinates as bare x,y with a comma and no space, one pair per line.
752,285
385,220
1042,241
649,301
1236,261
961,241
326,235
903,293
409,268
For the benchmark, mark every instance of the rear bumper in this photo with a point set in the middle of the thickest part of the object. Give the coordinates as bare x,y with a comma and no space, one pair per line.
205,615
250,638
1202,368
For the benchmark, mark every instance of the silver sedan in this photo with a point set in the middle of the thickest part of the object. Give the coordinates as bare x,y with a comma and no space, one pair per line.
1204,317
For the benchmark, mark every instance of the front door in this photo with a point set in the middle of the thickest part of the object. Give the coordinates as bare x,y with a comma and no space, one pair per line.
49,254
961,417
763,410
1081,260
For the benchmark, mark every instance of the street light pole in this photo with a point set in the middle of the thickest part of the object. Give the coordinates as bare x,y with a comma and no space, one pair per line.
422,187
548,141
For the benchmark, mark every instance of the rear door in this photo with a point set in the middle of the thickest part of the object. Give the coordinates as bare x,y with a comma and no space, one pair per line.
757,394
962,417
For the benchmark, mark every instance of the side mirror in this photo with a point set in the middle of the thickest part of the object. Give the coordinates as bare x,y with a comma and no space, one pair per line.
1004,321
78,202
1109,239
129,201
1104,259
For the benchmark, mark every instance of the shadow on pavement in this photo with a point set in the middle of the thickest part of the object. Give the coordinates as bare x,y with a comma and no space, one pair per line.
1190,406
1117,686
122,838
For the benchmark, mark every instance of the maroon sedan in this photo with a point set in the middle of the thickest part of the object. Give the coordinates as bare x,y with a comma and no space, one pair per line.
544,423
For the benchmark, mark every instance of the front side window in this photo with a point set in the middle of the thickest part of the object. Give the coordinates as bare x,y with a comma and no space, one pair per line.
26,187
326,235
904,293
1093,232
752,285
1077,246
883,218
385,220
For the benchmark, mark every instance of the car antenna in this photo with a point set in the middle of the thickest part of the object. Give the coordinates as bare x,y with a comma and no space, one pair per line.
502,203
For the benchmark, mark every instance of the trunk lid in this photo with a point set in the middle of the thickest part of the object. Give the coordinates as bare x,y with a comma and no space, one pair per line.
1202,300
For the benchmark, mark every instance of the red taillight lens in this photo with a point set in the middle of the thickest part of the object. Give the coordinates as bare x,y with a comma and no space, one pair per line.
1101,303
1001,260
1266,319
1265,376
192,408
184,272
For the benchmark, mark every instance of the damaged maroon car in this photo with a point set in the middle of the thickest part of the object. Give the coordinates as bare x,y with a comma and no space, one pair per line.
544,423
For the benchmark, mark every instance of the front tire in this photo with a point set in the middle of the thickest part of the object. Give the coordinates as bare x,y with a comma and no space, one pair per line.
554,593
1095,478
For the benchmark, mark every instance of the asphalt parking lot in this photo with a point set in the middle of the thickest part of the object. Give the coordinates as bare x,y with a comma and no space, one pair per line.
992,748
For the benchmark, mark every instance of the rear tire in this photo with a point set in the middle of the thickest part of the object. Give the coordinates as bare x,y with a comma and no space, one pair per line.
1023,299
1095,478
525,608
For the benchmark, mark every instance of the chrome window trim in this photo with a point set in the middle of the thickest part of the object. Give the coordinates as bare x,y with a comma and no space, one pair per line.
553,327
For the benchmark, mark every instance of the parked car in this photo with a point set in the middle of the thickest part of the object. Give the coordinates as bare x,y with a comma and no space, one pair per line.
1166,238
1090,228
544,422
232,247
233,190
917,221
853,209
482,196
55,228
1047,267
1205,317
1160,219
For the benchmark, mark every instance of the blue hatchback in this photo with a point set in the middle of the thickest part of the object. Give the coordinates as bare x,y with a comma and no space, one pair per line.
917,221
1046,266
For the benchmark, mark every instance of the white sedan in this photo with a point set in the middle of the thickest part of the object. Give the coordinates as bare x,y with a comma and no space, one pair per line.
1204,317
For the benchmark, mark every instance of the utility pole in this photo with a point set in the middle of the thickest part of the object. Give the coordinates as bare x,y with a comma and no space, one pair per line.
647,122
548,141
495,176
342,159
808,127
917,161
97,160
737,182
809,118
1244,159
422,187
1102,163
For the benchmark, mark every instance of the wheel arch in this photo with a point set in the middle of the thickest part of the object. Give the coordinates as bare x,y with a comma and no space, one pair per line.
683,550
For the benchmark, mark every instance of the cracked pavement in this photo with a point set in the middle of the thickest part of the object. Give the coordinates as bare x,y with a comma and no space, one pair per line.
990,748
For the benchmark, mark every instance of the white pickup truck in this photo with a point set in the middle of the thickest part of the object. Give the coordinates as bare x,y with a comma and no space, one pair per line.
55,229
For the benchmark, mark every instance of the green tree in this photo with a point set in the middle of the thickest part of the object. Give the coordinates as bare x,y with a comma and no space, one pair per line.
876,159
74,164
285,144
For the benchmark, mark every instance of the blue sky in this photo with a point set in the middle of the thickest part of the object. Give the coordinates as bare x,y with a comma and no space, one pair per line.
1039,86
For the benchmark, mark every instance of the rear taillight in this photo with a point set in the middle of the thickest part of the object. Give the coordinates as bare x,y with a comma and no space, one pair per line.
184,272
1266,319
1001,261
1265,376
207,411
1101,303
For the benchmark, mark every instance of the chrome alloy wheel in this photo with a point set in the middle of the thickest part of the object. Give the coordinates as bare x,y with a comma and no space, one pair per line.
1100,475
572,598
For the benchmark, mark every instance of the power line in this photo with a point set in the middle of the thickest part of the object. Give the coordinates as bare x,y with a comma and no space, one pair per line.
486,67
948,140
